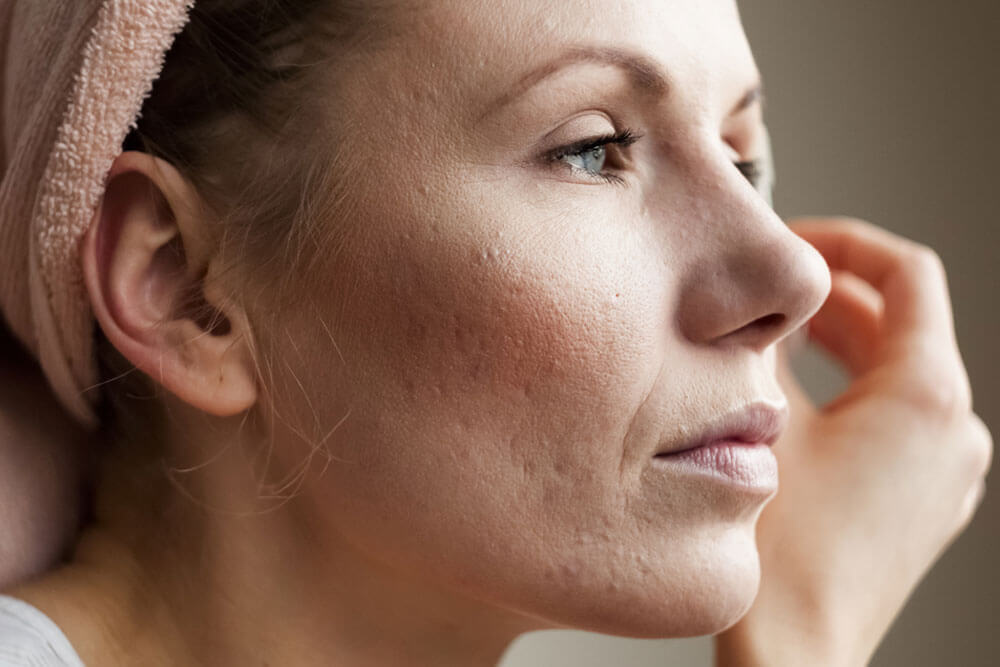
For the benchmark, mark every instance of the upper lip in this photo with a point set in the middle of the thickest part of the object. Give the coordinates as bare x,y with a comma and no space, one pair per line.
758,422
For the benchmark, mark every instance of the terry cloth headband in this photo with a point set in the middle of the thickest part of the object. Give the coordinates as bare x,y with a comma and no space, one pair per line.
73,77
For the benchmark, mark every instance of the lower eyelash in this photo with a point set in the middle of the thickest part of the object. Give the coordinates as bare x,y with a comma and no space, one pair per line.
613,179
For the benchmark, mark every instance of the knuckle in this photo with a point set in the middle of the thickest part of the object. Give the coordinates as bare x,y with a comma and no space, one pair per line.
923,261
853,226
935,390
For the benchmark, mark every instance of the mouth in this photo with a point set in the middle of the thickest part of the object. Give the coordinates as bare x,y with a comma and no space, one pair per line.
759,423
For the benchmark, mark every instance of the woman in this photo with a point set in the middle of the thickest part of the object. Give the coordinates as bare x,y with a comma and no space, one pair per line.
456,320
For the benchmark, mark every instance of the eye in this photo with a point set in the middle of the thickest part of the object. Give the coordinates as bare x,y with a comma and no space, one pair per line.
753,171
589,157
591,160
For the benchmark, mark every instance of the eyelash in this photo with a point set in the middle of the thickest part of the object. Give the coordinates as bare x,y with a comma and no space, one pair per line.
752,170
623,139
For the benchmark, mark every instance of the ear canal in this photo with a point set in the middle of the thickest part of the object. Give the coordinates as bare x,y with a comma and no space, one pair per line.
208,317
193,303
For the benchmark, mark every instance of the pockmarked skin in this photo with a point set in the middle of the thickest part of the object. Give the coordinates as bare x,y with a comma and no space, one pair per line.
519,340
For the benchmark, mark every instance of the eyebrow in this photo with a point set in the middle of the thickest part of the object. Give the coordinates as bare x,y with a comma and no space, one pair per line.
644,73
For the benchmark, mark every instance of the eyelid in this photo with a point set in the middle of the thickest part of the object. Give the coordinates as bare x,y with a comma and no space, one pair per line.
591,123
622,138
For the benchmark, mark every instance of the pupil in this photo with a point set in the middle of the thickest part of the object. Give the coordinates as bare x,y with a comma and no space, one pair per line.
597,158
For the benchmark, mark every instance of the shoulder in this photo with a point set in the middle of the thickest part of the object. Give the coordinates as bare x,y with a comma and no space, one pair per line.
28,638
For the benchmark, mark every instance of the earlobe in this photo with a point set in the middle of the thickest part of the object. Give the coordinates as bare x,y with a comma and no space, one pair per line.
147,266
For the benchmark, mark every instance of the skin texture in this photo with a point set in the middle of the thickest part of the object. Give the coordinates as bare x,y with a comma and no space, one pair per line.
480,376
533,336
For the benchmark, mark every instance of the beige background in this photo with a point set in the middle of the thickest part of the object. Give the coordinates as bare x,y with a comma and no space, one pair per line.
885,110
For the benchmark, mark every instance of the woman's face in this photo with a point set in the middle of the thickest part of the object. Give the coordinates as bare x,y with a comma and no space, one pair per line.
508,333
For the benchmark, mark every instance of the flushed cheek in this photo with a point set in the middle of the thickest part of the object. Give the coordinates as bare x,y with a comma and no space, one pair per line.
547,330
492,386
497,380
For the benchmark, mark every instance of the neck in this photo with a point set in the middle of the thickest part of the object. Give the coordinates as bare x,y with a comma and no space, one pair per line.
186,571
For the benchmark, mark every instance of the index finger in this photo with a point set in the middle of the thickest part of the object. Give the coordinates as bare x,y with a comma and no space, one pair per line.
909,276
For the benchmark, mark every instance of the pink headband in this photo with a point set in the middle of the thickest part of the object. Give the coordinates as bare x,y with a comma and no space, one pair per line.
73,77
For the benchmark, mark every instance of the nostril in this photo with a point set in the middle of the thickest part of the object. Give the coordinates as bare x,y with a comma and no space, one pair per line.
762,327
772,321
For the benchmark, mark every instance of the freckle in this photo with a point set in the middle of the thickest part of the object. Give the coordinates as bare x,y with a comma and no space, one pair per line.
617,295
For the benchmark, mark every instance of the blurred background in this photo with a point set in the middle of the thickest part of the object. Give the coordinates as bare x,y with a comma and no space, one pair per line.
888,111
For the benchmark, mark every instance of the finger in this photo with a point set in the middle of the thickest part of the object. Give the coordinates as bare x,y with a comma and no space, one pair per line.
909,276
981,441
970,504
848,325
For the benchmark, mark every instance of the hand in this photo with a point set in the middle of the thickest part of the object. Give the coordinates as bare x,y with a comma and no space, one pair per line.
875,485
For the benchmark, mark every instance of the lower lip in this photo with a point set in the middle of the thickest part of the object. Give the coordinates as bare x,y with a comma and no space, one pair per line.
743,464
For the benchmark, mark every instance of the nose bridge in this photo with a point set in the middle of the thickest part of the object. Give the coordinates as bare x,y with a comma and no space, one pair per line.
751,280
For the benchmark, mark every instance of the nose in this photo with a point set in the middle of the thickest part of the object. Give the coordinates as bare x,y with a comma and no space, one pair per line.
751,281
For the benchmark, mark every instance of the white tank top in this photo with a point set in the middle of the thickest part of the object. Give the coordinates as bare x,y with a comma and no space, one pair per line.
28,638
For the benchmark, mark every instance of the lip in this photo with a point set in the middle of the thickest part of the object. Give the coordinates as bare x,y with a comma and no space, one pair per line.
747,466
734,449
759,423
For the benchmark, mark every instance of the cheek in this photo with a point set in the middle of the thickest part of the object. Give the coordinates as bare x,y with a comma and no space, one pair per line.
491,385
532,362
483,376
510,324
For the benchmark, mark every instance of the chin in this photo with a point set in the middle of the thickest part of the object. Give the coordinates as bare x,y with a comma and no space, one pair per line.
729,582
703,610
700,588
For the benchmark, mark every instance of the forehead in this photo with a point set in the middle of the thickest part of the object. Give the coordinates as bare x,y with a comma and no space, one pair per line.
698,44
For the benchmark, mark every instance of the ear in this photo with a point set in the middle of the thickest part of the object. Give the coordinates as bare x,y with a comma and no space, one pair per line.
148,269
